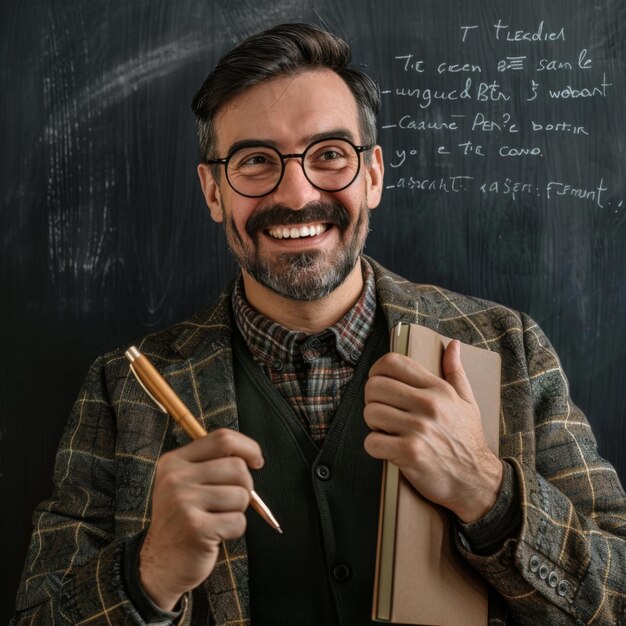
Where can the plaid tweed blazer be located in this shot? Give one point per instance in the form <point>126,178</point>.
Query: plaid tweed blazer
<point>566,566</point>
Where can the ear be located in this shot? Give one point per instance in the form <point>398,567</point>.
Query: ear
<point>374,173</point>
<point>211,192</point>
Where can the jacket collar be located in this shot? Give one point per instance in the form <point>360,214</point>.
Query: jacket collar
<point>399,299</point>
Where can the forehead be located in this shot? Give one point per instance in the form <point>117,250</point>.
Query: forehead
<point>288,111</point>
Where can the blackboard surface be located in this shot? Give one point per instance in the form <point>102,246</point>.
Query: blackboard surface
<point>503,130</point>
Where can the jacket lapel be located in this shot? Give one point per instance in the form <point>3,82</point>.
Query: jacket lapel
<point>401,301</point>
<point>450,314</point>
<point>204,382</point>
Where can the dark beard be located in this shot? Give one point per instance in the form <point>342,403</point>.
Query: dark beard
<point>305,276</point>
<point>301,279</point>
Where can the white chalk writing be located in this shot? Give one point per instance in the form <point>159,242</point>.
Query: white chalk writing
<point>507,105</point>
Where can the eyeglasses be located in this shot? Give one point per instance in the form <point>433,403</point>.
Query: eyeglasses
<point>256,170</point>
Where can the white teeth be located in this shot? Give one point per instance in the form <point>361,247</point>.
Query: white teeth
<point>282,232</point>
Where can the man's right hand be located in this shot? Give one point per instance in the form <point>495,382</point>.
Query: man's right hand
<point>201,492</point>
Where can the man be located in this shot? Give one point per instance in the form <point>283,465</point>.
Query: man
<point>289,373</point>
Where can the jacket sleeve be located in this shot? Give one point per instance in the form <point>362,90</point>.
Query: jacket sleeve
<point>74,570</point>
<point>567,563</point>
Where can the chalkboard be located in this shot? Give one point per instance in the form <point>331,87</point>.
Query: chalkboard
<point>502,125</point>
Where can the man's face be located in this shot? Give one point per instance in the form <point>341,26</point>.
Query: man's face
<point>326,230</point>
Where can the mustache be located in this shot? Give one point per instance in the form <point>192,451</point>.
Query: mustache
<point>278,215</point>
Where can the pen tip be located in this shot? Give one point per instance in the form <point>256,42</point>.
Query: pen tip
<point>279,530</point>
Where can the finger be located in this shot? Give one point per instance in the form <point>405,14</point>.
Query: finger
<point>388,419</point>
<point>222,498</point>
<point>454,373</point>
<point>221,443</point>
<point>392,392</point>
<point>404,369</point>
<point>225,471</point>
<point>385,447</point>
<point>382,417</point>
<point>227,525</point>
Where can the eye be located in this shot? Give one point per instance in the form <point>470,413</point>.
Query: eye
<point>254,159</point>
<point>330,154</point>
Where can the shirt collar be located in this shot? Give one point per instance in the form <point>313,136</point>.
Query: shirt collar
<point>270,342</point>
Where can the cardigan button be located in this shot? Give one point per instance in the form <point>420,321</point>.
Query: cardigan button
<point>322,472</point>
<point>341,571</point>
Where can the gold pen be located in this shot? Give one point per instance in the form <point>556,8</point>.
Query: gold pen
<point>166,399</point>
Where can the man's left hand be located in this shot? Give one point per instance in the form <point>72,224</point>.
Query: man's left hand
<point>430,428</point>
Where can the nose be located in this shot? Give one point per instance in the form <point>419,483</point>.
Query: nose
<point>295,191</point>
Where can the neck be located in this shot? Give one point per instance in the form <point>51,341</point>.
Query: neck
<point>307,316</point>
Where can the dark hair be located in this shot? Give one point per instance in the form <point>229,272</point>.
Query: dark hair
<point>286,49</point>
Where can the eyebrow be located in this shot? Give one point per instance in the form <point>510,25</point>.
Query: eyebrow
<point>336,133</point>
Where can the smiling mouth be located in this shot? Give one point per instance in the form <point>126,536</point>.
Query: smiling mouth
<point>297,232</point>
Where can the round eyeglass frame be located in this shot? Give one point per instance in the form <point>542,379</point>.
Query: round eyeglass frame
<point>295,155</point>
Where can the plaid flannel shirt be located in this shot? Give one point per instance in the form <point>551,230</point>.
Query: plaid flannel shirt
<point>310,371</point>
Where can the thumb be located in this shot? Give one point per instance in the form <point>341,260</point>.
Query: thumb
<point>454,373</point>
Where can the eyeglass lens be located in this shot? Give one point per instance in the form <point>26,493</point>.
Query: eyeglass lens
<point>329,165</point>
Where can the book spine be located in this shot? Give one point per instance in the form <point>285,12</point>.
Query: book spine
<point>386,548</point>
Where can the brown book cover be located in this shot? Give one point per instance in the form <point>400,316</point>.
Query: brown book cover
<point>420,576</point>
